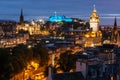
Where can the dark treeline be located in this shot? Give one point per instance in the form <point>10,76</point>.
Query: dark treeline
<point>15,60</point>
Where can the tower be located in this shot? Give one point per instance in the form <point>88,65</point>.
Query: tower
<point>115,34</point>
<point>93,38</point>
<point>94,20</point>
<point>21,17</point>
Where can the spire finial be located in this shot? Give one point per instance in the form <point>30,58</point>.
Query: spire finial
<point>55,13</point>
<point>94,7</point>
<point>94,10</point>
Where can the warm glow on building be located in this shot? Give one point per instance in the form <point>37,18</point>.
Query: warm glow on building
<point>87,35</point>
<point>93,34</point>
<point>45,32</point>
<point>94,21</point>
<point>32,28</point>
<point>94,37</point>
<point>106,42</point>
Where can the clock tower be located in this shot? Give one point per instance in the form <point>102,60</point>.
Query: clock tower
<point>94,21</point>
<point>93,38</point>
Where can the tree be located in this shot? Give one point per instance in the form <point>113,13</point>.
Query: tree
<point>5,67</point>
<point>41,52</point>
<point>67,61</point>
<point>21,56</point>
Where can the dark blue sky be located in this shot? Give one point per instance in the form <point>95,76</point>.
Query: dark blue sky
<point>107,9</point>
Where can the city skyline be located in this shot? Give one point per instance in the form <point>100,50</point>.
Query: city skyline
<point>86,48</point>
<point>36,9</point>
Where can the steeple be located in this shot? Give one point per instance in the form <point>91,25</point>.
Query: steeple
<point>115,32</point>
<point>115,23</point>
<point>21,17</point>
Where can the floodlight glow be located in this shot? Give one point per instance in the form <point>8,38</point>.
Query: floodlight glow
<point>59,18</point>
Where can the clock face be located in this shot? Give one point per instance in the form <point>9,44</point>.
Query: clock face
<point>94,26</point>
<point>93,19</point>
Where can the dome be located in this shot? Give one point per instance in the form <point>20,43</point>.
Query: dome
<point>94,16</point>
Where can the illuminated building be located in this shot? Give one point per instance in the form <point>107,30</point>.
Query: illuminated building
<point>7,27</point>
<point>75,36</point>
<point>12,41</point>
<point>57,18</point>
<point>94,21</point>
<point>32,28</point>
<point>93,37</point>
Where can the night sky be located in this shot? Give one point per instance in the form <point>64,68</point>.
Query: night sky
<point>35,9</point>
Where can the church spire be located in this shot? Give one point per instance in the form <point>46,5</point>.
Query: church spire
<point>21,17</point>
<point>115,23</point>
<point>115,32</point>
